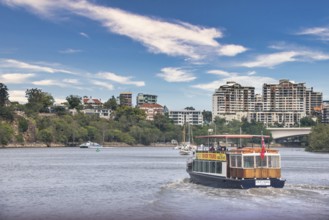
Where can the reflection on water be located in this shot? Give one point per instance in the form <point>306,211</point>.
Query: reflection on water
<point>149,183</point>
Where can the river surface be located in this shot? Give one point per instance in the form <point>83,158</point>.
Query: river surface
<point>149,183</point>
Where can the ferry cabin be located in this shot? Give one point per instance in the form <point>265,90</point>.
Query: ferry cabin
<point>237,164</point>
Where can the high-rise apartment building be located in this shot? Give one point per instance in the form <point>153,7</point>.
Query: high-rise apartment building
<point>125,99</point>
<point>313,102</point>
<point>284,97</point>
<point>284,103</point>
<point>325,112</point>
<point>145,99</point>
<point>233,101</point>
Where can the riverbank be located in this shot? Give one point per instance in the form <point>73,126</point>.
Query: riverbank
<point>106,144</point>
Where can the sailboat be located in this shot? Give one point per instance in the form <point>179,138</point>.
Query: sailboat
<point>186,147</point>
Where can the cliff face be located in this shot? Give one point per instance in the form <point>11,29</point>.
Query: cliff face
<point>23,131</point>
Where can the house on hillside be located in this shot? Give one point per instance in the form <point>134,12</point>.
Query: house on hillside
<point>91,103</point>
<point>151,110</point>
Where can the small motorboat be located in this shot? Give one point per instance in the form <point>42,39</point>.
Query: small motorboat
<point>90,144</point>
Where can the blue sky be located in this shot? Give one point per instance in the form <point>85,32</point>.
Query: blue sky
<point>179,50</point>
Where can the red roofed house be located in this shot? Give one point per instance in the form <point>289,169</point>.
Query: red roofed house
<point>91,103</point>
<point>151,110</point>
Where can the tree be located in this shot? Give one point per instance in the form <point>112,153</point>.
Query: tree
<point>23,124</point>
<point>6,132</point>
<point>189,108</point>
<point>74,102</point>
<point>6,113</point>
<point>38,100</point>
<point>307,122</point>
<point>3,94</point>
<point>207,116</point>
<point>111,104</point>
<point>319,138</point>
<point>46,136</point>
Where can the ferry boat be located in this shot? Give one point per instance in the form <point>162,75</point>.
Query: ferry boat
<point>90,144</point>
<point>236,167</point>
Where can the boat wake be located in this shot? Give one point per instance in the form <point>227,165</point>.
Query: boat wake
<point>290,190</point>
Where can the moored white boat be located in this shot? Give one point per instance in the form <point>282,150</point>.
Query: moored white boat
<point>90,144</point>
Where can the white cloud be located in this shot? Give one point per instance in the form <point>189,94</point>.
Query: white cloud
<point>15,78</point>
<point>64,83</point>
<point>70,51</point>
<point>270,60</point>
<point>231,50</point>
<point>17,96</point>
<point>59,101</point>
<point>171,74</point>
<point>221,73</point>
<point>71,81</point>
<point>20,65</point>
<point>84,34</point>
<point>294,54</point>
<point>159,36</point>
<point>120,79</point>
<point>321,33</point>
<point>49,82</point>
<point>255,81</point>
<point>103,84</point>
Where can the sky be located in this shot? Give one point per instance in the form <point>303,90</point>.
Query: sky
<point>179,50</point>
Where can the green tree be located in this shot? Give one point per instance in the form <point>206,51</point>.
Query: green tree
<point>46,136</point>
<point>3,94</point>
<point>23,124</point>
<point>6,133</point>
<point>38,101</point>
<point>74,102</point>
<point>111,104</point>
<point>6,113</point>
<point>307,122</point>
<point>319,138</point>
<point>128,116</point>
<point>207,116</point>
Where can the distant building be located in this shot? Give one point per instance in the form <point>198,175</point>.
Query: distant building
<point>284,97</point>
<point>284,103</point>
<point>145,98</point>
<point>91,103</point>
<point>325,112</point>
<point>233,101</point>
<point>191,117</point>
<point>151,110</point>
<point>102,113</point>
<point>125,99</point>
<point>313,102</point>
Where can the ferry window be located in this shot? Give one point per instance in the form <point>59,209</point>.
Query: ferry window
<point>194,165</point>
<point>219,167</point>
<point>274,161</point>
<point>239,161</point>
<point>248,162</point>
<point>199,166</point>
<point>261,162</point>
<point>212,167</point>
<point>233,160</point>
<point>206,167</point>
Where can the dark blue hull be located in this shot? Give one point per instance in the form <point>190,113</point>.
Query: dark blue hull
<point>223,182</point>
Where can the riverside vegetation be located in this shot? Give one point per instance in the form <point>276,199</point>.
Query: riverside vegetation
<point>40,122</point>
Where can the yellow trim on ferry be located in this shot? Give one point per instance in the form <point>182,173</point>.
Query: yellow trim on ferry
<point>211,156</point>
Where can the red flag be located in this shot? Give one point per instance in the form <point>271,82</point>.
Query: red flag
<point>262,153</point>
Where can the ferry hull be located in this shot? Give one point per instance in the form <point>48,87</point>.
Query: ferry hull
<point>223,182</point>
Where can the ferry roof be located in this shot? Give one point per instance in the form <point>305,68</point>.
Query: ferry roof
<point>233,136</point>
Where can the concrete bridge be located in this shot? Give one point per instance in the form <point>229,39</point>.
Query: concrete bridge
<point>288,132</point>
